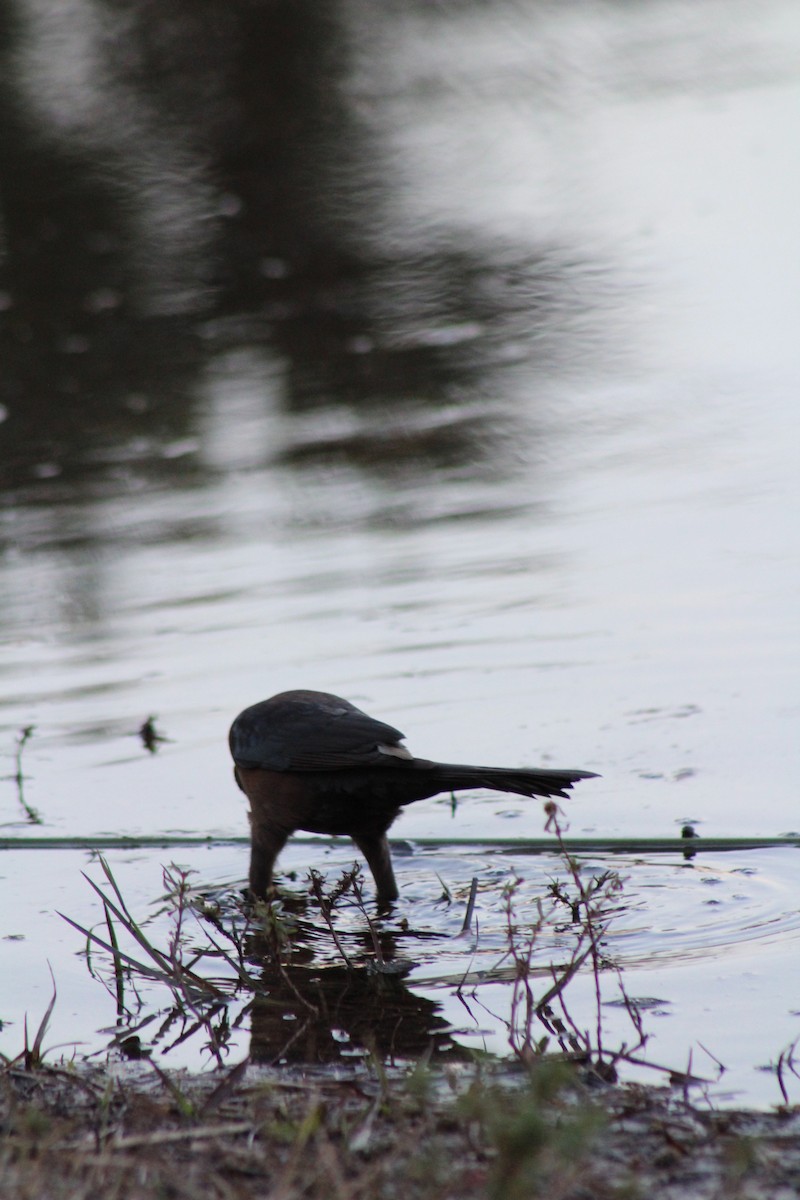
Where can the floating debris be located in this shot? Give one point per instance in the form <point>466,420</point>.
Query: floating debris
<point>150,735</point>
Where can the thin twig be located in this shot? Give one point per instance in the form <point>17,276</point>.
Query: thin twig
<point>473,892</point>
<point>23,737</point>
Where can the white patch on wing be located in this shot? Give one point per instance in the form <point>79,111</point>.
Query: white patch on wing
<point>397,751</point>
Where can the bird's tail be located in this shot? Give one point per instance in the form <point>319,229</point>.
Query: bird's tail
<point>521,781</point>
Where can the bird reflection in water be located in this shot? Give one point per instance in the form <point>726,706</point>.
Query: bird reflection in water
<point>309,1011</point>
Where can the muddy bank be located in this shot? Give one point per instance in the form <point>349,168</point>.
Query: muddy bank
<point>244,1132</point>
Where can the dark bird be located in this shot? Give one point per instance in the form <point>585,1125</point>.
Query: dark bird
<point>311,761</point>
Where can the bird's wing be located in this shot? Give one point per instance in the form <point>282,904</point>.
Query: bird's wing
<point>311,731</point>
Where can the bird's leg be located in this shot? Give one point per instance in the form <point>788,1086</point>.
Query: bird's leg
<point>266,842</point>
<point>375,849</point>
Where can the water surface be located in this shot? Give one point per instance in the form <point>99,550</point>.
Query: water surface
<point>471,396</point>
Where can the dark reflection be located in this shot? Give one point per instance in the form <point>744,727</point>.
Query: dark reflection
<point>336,1014</point>
<point>210,181</point>
<point>422,350</point>
<point>313,1013</point>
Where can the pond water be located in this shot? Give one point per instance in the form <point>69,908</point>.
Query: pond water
<point>467,389</point>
